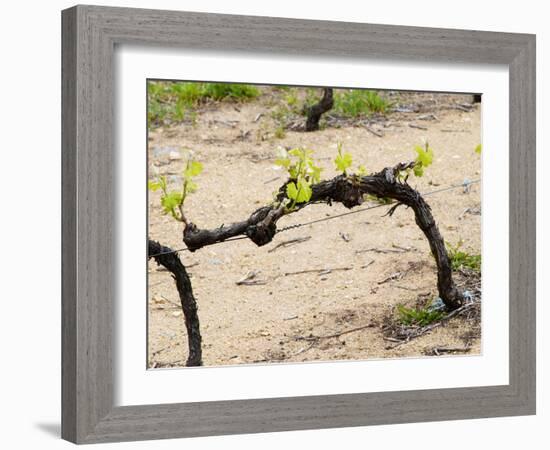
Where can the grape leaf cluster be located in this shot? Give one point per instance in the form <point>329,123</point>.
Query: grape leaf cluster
<point>302,172</point>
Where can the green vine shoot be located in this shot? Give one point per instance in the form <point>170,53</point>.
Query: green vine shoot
<point>172,200</point>
<point>302,172</point>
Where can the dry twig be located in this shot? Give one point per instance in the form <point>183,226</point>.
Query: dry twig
<point>289,242</point>
<point>250,279</point>
<point>334,335</point>
<point>420,127</point>
<point>375,132</point>
<point>319,271</point>
<point>438,350</point>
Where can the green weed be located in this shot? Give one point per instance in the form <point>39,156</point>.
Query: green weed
<point>281,115</point>
<point>175,101</point>
<point>224,91</point>
<point>356,102</point>
<point>461,259</point>
<point>419,317</point>
<point>291,99</point>
<point>282,88</point>
<point>279,132</point>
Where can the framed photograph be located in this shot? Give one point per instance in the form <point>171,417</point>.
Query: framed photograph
<point>265,229</point>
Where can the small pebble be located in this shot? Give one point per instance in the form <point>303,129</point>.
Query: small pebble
<point>174,156</point>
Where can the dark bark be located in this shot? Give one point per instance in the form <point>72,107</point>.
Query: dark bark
<point>260,227</point>
<point>173,264</point>
<point>196,238</point>
<point>315,112</point>
<point>406,195</point>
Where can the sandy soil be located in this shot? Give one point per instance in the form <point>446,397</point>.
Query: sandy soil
<point>268,322</point>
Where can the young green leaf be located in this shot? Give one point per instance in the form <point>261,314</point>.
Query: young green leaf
<point>304,191</point>
<point>314,172</point>
<point>343,161</point>
<point>171,201</point>
<point>191,187</point>
<point>299,192</point>
<point>300,153</point>
<point>418,170</point>
<point>302,172</point>
<point>154,185</point>
<point>478,149</point>
<point>362,170</point>
<point>282,158</point>
<point>158,183</point>
<point>292,191</point>
<point>424,156</point>
<point>424,159</point>
<point>283,162</point>
<point>193,169</point>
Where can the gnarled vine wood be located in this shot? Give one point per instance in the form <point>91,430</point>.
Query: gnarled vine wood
<point>349,190</point>
<point>165,257</point>
<point>261,226</point>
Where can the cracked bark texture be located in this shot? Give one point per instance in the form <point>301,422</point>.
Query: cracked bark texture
<point>171,261</point>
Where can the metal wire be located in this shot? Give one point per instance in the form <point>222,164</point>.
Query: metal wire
<point>368,208</point>
<point>185,249</point>
<point>466,184</point>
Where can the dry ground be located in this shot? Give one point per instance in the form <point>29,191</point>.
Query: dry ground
<point>268,322</point>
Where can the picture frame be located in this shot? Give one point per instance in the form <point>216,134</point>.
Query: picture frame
<point>89,37</point>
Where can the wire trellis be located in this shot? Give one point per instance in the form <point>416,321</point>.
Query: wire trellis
<point>465,185</point>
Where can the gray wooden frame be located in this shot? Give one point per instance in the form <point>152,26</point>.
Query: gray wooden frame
<point>90,34</point>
